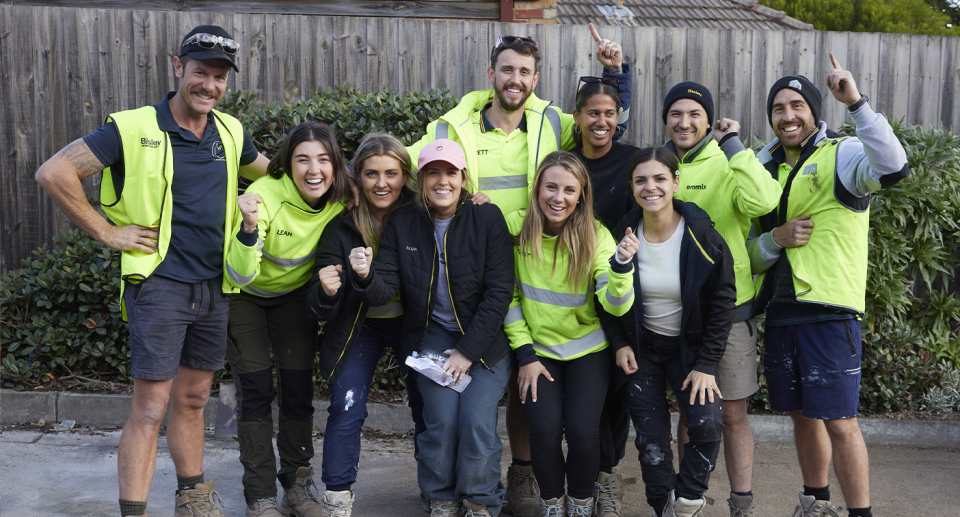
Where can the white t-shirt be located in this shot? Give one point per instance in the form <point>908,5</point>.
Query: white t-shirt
<point>658,266</point>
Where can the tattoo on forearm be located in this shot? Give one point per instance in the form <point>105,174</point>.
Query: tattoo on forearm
<point>79,155</point>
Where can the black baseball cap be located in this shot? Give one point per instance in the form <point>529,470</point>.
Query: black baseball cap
<point>218,49</point>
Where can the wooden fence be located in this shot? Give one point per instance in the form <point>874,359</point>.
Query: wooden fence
<point>63,70</point>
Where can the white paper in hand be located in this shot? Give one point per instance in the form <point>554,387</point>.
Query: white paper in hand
<point>434,371</point>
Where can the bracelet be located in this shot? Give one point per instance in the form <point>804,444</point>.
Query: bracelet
<point>856,105</point>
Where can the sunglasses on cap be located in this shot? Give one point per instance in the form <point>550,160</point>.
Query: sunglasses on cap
<point>209,41</point>
<point>509,41</point>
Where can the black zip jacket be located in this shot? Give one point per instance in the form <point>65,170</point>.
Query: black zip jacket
<point>480,268</point>
<point>707,285</point>
<point>343,312</point>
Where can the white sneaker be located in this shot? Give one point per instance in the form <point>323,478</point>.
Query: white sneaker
<point>810,506</point>
<point>680,507</point>
<point>444,508</point>
<point>337,504</point>
<point>474,510</point>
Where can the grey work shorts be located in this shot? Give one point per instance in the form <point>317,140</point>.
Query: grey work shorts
<point>175,324</point>
<point>737,371</point>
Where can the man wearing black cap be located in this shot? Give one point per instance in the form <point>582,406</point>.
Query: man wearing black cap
<point>164,167</point>
<point>721,176</point>
<point>812,257</point>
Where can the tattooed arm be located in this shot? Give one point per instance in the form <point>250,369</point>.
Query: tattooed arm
<point>60,176</point>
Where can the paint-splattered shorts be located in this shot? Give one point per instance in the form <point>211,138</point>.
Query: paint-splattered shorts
<point>814,367</point>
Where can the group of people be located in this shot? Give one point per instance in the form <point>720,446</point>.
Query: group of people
<point>526,251</point>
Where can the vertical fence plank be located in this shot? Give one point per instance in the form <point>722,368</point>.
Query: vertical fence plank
<point>14,50</point>
<point>350,48</point>
<point>833,112</point>
<point>645,113</point>
<point>292,47</point>
<point>415,50</point>
<point>768,59</point>
<point>925,83</point>
<point>950,106</point>
<point>864,56</point>
<point>446,47</point>
<point>894,83</point>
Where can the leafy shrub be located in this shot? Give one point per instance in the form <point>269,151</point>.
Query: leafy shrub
<point>61,313</point>
<point>945,397</point>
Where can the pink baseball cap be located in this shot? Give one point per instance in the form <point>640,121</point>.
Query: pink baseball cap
<point>442,150</point>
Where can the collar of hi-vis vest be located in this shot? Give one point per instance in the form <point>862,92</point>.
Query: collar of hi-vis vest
<point>486,125</point>
<point>165,117</point>
<point>694,151</point>
<point>776,151</point>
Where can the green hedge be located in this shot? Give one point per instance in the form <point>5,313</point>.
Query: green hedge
<point>60,313</point>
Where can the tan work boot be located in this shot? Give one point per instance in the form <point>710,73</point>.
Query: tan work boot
<point>337,504</point>
<point>810,506</point>
<point>474,510</point>
<point>523,492</point>
<point>556,507</point>
<point>266,507</point>
<point>300,500</point>
<point>579,507</point>
<point>740,505</point>
<point>201,501</point>
<point>680,507</point>
<point>608,493</point>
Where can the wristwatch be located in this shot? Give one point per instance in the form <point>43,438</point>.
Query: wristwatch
<point>856,105</point>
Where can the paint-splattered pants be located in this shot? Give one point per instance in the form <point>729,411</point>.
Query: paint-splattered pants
<point>659,362</point>
<point>348,401</point>
<point>266,335</point>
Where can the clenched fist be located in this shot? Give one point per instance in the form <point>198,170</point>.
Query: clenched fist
<point>330,279</point>
<point>247,204</point>
<point>360,259</point>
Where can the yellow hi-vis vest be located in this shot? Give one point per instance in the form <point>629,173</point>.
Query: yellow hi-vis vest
<point>146,197</point>
<point>831,269</point>
<point>289,231</point>
<point>561,322</point>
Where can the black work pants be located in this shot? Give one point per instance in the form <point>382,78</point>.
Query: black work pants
<point>571,406</point>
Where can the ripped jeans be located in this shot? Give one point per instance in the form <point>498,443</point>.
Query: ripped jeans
<point>348,401</point>
<point>659,362</point>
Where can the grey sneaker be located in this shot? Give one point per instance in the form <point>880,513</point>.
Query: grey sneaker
<point>444,508</point>
<point>337,504</point>
<point>202,501</point>
<point>680,507</point>
<point>300,500</point>
<point>556,507</point>
<point>740,505</point>
<point>608,493</point>
<point>523,492</point>
<point>264,508</point>
<point>810,506</point>
<point>579,507</point>
<point>474,510</point>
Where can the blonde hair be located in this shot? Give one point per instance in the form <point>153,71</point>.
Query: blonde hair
<point>378,144</point>
<point>578,238</point>
<point>422,198</point>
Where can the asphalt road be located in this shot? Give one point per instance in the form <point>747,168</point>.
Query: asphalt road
<point>73,473</point>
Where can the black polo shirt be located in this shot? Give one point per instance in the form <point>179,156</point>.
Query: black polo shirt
<point>199,190</point>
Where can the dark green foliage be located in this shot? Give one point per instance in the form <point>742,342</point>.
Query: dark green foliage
<point>897,16</point>
<point>350,113</point>
<point>60,314</point>
<point>913,317</point>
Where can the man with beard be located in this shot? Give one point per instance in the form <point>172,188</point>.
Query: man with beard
<point>162,165</point>
<point>812,257</point>
<point>505,132</point>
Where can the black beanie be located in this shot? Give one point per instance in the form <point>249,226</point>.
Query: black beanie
<point>689,90</point>
<point>804,87</point>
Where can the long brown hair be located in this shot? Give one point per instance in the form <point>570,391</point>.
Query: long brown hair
<point>578,238</point>
<point>378,144</point>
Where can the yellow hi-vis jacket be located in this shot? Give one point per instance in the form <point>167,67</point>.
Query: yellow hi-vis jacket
<point>146,197</point>
<point>558,321</point>
<point>289,231</point>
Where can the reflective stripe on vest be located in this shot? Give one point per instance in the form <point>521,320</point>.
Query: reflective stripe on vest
<point>549,297</point>
<point>389,310</point>
<point>288,263</point>
<point>514,315</point>
<point>554,119</point>
<point>574,346</point>
<point>443,129</point>
<point>264,293</point>
<point>503,182</point>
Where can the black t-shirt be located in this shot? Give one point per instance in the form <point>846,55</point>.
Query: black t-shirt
<point>612,194</point>
<point>199,191</point>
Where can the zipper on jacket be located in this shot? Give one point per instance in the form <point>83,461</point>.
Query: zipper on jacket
<point>446,272</point>
<point>346,344</point>
<point>433,269</point>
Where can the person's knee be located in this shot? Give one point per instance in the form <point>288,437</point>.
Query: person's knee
<point>653,452</point>
<point>296,390</point>
<point>257,394</point>
<point>705,423</point>
<point>735,413</point>
<point>147,413</point>
<point>843,430</point>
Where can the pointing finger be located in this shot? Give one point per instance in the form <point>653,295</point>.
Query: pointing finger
<point>596,35</point>
<point>836,64</point>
